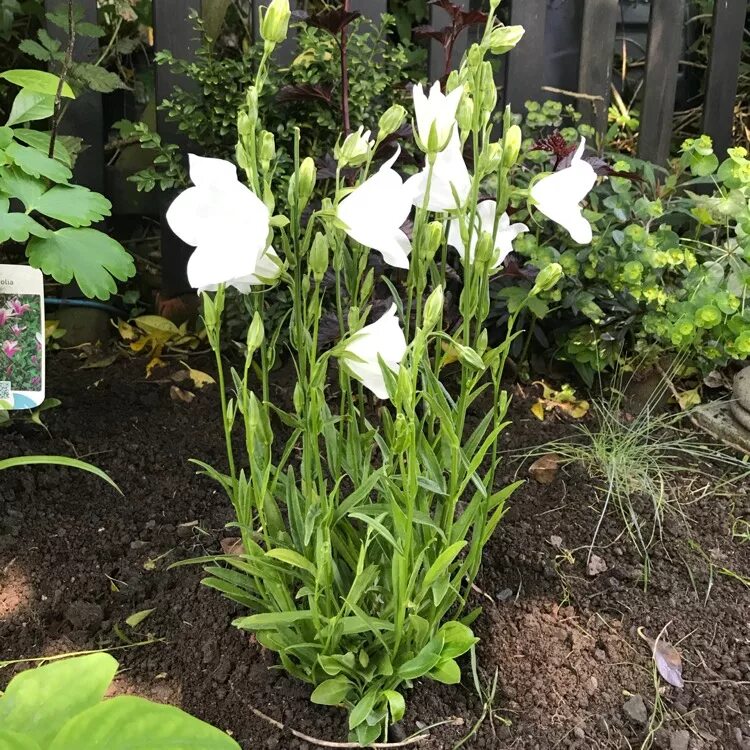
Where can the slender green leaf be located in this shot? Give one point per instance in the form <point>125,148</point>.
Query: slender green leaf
<point>396,705</point>
<point>273,620</point>
<point>72,463</point>
<point>361,711</point>
<point>442,561</point>
<point>290,557</point>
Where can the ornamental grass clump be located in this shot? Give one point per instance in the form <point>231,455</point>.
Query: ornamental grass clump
<point>364,506</point>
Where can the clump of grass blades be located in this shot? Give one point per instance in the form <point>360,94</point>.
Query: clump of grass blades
<point>642,460</point>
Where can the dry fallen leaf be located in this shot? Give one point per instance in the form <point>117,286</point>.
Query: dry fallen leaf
<point>177,394</point>
<point>232,545</point>
<point>544,470</point>
<point>667,659</point>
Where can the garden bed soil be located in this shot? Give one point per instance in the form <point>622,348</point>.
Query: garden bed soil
<point>77,559</point>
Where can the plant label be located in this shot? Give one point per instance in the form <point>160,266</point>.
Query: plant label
<point>21,337</point>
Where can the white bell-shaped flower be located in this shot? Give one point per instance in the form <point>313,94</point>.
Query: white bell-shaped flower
<point>436,114</point>
<point>558,196</point>
<point>449,176</point>
<point>484,221</point>
<point>375,211</point>
<point>382,338</point>
<point>267,270</point>
<point>226,223</point>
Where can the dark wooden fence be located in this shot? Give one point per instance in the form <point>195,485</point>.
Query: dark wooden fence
<point>523,73</point>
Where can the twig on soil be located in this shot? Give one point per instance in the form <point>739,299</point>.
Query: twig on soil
<point>327,743</point>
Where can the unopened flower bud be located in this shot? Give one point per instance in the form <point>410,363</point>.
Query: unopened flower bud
<point>511,146</point>
<point>489,89</point>
<point>307,176</point>
<point>274,24</point>
<point>319,256</point>
<point>255,333</point>
<point>432,239</point>
<point>251,107</point>
<point>465,114</point>
<point>245,125</point>
<point>355,149</point>
<point>482,340</point>
<point>504,38</point>
<point>298,399</point>
<point>485,249</point>
<point>433,308</point>
<point>491,158</point>
<point>547,278</point>
<point>266,150</point>
<point>391,121</point>
<point>468,356</point>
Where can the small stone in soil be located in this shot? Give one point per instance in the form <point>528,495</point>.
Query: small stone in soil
<point>596,565</point>
<point>505,594</point>
<point>84,615</point>
<point>635,709</point>
<point>679,740</point>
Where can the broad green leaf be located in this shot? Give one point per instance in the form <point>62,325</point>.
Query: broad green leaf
<point>17,227</point>
<point>127,722</point>
<point>99,79</point>
<point>443,560</point>
<point>272,620</point>
<point>457,639</point>
<point>39,81</point>
<point>16,183</point>
<point>71,463</point>
<point>290,557</point>
<point>6,136</point>
<point>331,692</point>
<point>39,701</point>
<point>424,661</point>
<point>29,105</point>
<point>37,164</point>
<point>90,257</point>
<point>34,49</point>
<point>40,140</point>
<point>14,741</point>
<point>396,705</point>
<point>73,204</point>
<point>447,671</point>
<point>361,711</point>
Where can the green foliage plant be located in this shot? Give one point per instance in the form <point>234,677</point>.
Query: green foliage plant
<point>667,271</point>
<point>41,207</point>
<point>362,526</point>
<point>303,95</point>
<point>61,706</point>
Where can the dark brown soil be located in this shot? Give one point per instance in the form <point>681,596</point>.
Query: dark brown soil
<point>76,560</point>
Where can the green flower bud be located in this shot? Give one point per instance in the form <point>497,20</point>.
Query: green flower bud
<point>391,121</point>
<point>469,356</point>
<point>465,114</point>
<point>433,308</point>
<point>298,399</point>
<point>308,174</point>
<point>255,334</point>
<point>266,150</point>
<point>355,149</point>
<point>485,249</point>
<point>319,256</point>
<point>245,125</point>
<point>511,146</point>
<point>251,107</point>
<point>547,278</point>
<point>504,38</point>
<point>274,24</point>
<point>432,240</point>
<point>491,158</point>
<point>482,341</point>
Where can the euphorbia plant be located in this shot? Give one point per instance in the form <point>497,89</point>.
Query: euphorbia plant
<point>363,523</point>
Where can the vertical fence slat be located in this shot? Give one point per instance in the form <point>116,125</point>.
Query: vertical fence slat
<point>438,19</point>
<point>524,71</point>
<point>84,116</point>
<point>173,31</point>
<point>660,83</point>
<point>595,68</point>
<point>723,71</point>
<point>372,9</point>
